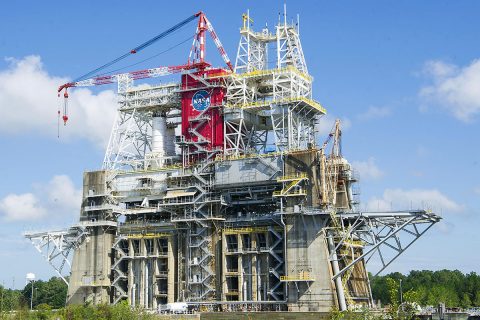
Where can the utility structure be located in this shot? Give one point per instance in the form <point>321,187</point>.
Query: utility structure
<point>215,192</point>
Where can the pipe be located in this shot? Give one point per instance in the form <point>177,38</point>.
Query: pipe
<point>338,281</point>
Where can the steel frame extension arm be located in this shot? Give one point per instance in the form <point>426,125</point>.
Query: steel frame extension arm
<point>378,231</point>
<point>133,75</point>
<point>56,246</point>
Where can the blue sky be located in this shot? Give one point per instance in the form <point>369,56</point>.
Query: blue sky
<point>403,76</point>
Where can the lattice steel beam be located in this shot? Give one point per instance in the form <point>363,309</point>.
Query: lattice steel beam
<point>378,231</point>
<point>56,246</point>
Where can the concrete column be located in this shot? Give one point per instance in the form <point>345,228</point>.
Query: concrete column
<point>224,267</point>
<point>240,268</point>
<point>142,273</point>
<point>146,283</point>
<point>171,272</point>
<point>215,263</point>
<point>254,271</point>
<point>131,294</point>
<point>266,282</point>
<point>154,272</point>
<point>180,267</point>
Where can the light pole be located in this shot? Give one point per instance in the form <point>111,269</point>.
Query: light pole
<point>31,279</point>
<point>401,293</point>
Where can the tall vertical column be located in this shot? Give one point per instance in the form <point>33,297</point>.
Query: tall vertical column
<point>254,270</point>
<point>224,267</point>
<point>171,271</point>
<point>131,282</point>
<point>240,267</point>
<point>141,275</point>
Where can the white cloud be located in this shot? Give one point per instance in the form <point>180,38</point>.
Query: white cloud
<point>56,198</point>
<point>439,69</point>
<point>326,123</point>
<point>62,193</point>
<point>455,89</point>
<point>477,190</point>
<point>368,169</point>
<point>399,199</point>
<point>21,207</point>
<point>375,112</point>
<point>29,103</point>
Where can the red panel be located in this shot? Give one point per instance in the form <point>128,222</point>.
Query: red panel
<point>210,129</point>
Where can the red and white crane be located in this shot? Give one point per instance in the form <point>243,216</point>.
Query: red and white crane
<point>196,60</point>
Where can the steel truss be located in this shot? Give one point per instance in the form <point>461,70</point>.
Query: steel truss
<point>252,53</point>
<point>57,246</point>
<point>379,232</point>
<point>289,48</point>
<point>269,105</point>
<point>130,138</point>
<point>284,109</point>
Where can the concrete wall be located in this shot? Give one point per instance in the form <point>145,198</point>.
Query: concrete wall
<point>307,256</point>
<point>90,274</point>
<point>90,278</point>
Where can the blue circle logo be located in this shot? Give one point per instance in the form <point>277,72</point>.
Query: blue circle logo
<point>201,100</point>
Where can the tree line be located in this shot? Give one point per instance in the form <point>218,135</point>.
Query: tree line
<point>51,293</point>
<point>428,288</point>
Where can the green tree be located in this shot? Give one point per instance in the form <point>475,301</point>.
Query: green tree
<point>380,288</point>
<point>466,302</point>
<point>431,287</point>
<point>439,293</point>
<point>9,299</point>
<point>52,292</point>
<point>393,292</point>
<point>44,312</point>
<point>476,302</point>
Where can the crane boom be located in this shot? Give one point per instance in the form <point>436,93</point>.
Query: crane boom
<point>134,75</point>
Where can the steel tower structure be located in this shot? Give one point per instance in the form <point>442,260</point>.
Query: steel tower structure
<point>215,191</point>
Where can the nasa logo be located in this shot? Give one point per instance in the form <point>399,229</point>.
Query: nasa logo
<point>201,100</point>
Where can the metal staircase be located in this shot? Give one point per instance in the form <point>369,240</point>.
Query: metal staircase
<point>277,265</point>
<point>120,291</point>
<point>200,260</point>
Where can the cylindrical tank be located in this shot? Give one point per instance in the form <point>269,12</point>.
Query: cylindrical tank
<point>159,135</point>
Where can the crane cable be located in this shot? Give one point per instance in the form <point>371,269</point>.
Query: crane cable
<point>139,47</point>
<point>147,59</point>
<point>133,51</point>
